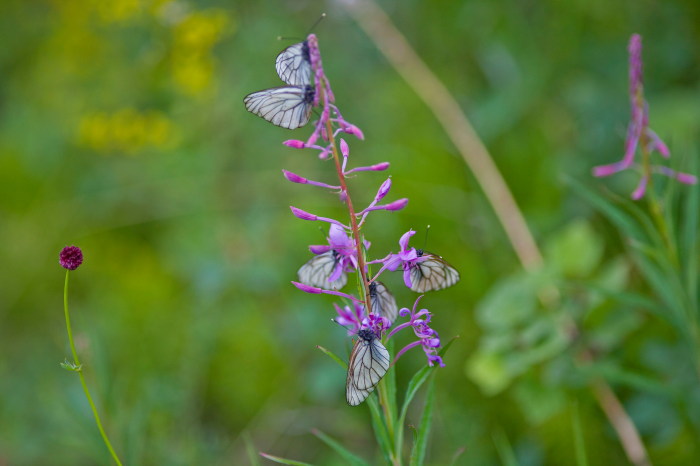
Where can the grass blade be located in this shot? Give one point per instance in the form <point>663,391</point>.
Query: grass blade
<point>579,443</point>
<point>421,443</point>
<point>278,459</point>
<point>344,453</point>
<point>380,431</point>
<point>334,357</point>
<point>250,449</point>
<point>504,449</point>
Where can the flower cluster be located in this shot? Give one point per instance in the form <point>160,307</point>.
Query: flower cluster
<point>639,134</point>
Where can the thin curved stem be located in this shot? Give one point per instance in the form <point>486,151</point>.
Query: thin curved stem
<point>79,370</point>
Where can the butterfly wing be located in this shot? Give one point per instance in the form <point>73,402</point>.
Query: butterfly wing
<point>288,107</point>
<point>294,64</point>
<point>319,269</point>
<point>433,273</point>
<point>369,361</point>
<point>383,302</point>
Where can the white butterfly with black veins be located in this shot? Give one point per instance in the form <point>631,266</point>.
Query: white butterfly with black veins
<point>294,64</point>
<point>433,273</point>
<point>383,302</point>
<point>369,361</point>
<point>288,106</point>
<point>318,270</point>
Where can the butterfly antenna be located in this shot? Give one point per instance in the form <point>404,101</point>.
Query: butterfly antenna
<point>288,38</point>
<point>320,18</point>
<point>425,241</point>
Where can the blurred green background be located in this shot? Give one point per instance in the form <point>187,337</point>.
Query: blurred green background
<point>122,131</point>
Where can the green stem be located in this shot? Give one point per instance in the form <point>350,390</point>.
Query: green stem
<point>79,370</point>
<point>389,418</point>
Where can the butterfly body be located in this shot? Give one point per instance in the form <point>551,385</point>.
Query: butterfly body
<point>287,106</point>
<point>369,362</point>
<point>383,302</point>
<point>431,273</point>
<point>293,64</point>
<point>319,269</point>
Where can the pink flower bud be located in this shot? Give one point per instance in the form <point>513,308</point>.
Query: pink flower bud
<point>383,190</point>
<point>397,205</point>
<point>307,288</point>
<point>294,178</point>
<point>354,130</point>
<point>295,143</point>
<point>344,149</point>
<point>298,213</point>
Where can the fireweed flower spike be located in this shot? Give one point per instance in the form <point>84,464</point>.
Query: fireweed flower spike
<point>639,135</point>
<point>367,314</point>
<point>70,258</point>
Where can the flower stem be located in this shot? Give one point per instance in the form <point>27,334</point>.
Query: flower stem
<point>389,418</point>
<point>79,370</point>
<point>351,210</point>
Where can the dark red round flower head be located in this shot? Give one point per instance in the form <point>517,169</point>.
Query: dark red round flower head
<point>71,257</point>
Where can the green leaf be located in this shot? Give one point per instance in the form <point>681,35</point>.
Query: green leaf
<point>413,385</point>
<point>504,449</point>
<point>579,443</point>
<point>390,385</point>
<point>512,301</point>
<point>278,459</point>
<point>539,401</point>
<point>334,357</point>
<point>621,219</point>
<point>381,432</point>
<point>347,455</point>
<point>488,370</point>
<point>576,250</point>
<point>421,443</point>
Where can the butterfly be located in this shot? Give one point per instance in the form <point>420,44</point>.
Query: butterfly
<point>287,106</point>
<point>294,64</point>
<point>383,302</point>
<point>369,361</point>
<point>319,269</point>
<point>433,273</point>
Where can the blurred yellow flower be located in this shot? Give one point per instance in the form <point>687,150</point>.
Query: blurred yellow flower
<point>125,130</point>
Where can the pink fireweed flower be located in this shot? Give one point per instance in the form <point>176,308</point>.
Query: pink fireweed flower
<point>343,245</point>
<point>70,257</point>
<point>350,318</point>
<point>376,323</point>
<point>427,337</point>
<point>406,257</point>
<point>639,135</point>
<point>329,268</point>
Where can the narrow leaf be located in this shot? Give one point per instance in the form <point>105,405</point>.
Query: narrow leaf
<point>616,215</point>
<point>504,449</point>
<point>278,459</point>
<point>579,444</point>
<point>346,454</point>
<point>380,431</point>
<point>421,443</point>
<point>334,357</point>
<point>250,449</point>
